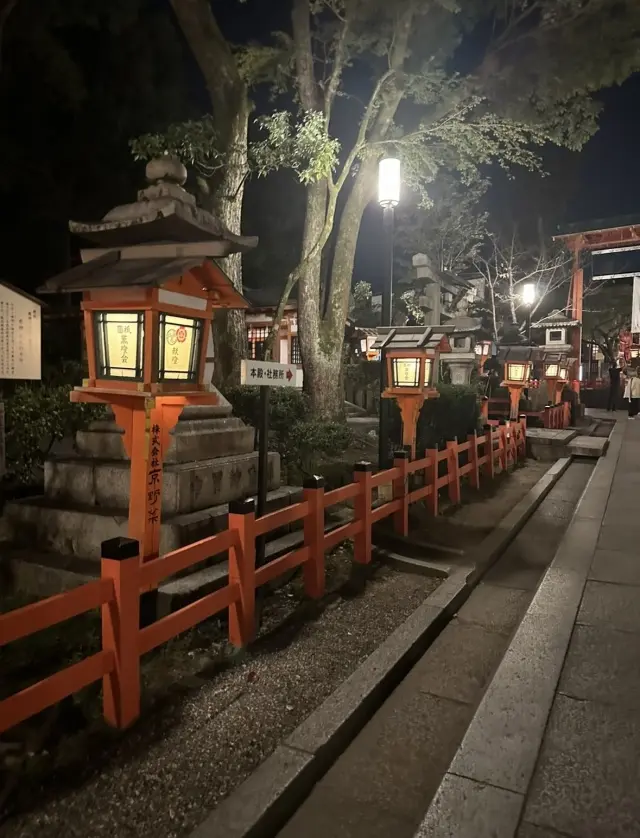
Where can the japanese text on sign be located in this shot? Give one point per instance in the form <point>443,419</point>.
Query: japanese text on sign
<point>154,478</point>
<point>19,335</point>
<point>267,374</point>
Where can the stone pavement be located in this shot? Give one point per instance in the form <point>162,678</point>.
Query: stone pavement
<point>553,748</point>
<point>381,785</point>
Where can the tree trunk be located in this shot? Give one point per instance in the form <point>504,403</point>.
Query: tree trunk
<point>229,329</point>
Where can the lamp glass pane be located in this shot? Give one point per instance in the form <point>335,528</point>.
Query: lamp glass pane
<point>119,337</point>
<point>428,366</point>
<point>551,371</point>
<point>516,372</point>
<point>563,374</point>
<point>389,182</point>
<point>180,339</point>
<point>406,372</point>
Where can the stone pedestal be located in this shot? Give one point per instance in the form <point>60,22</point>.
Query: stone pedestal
<point>210,462</point>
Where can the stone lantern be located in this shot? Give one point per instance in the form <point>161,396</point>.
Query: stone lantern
<point>461,360</point>
<point>411,355</point>
<point>558,333</point>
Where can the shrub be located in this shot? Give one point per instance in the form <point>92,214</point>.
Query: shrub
<point>36,416</point>
<point>455,414</point>
<point>302,439</point>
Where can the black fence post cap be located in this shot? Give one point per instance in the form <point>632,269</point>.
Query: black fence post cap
<point>363,466</point>
<point>402,454</point>
<point>316,481</point>
<point>120,548</point>
<point>242,506</point>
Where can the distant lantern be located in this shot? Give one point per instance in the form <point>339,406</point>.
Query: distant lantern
<point>412,355</point>
<point>484,350</point>
<point>518,361</point>
<point>556,373</point>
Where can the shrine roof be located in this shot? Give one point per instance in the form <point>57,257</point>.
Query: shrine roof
<point>111,271</point>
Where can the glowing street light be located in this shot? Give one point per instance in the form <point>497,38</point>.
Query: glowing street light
<point>389,182</point>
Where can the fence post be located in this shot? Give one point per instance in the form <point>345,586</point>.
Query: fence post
<point>313,568</point>
<point>488,450</point>
<point>474,474</point>
<point>484,409</point>
<point>453,471</point>
<point>401,492</point>
<point>546,421</point>
<point>120,562</point>
<point>523,437</point>
<point>503,451</point>
<point>432,474</point>
<point>362,512</point>
<point>242,572</point>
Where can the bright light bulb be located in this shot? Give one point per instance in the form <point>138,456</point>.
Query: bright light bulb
<point>389,182</point>
<point>528,293</point>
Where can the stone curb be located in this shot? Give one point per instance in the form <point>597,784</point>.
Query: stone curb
<point>261,805</point>
<point>484,790</point>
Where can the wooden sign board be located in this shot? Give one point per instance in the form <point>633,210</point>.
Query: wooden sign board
<point>20,335</point>
<point>267,374</point>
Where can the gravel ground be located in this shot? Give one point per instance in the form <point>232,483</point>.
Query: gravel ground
<point>206,738</point>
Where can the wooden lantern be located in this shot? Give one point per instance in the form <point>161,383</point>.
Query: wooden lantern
<point>147,326</point>
<point>556,374</point>
<point>411,355</point>
<point>484,349</point>
<point>518,361</point>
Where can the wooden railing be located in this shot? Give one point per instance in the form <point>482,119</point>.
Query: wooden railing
<point>555,416</point>
<point>124,577</point>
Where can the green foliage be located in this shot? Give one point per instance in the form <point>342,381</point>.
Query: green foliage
<point>301,145</point>
<point>36,417</point>
<point>302,439</point>
<point>194,142</point>
<point>454,415</point>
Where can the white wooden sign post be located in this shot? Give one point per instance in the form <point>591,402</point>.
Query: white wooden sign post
<point>20,344</point>
<point>265,374</point>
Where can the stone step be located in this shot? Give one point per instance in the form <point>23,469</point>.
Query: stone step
<point>588,446</point>
<point>186,486</point>
<point>191,440</point>
<point>41,523</point>
<point>549,445</point>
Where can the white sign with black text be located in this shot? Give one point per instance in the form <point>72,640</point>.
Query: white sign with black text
<point>267,374</point>
<point>20,323</point>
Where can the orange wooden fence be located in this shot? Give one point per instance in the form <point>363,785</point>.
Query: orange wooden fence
<point>555,416</point>
<point>124,577</point>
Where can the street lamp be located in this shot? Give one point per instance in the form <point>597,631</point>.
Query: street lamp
<point>388,198</point>
<point>528,298</point>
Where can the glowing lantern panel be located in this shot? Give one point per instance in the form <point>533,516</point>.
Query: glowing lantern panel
<point>406,372</point>
<point>516,372</point>
<point>551,370</point>
<point>428,367</point>
<point>389,182</point>
<point>180,339</point>
<point>564,373</point>
<point>119,341</point>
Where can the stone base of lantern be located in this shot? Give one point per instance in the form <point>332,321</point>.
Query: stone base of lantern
<point>210,462</point>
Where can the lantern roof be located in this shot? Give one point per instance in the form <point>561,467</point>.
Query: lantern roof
<point>555,318</point>
<point>164,212</point>
<point>112,271</point>
<point>412,337</point>
<point>555,358</point>
<point>519,354</point>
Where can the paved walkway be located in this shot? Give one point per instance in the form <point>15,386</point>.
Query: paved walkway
<point>382,784</point>
<point>554,747</point>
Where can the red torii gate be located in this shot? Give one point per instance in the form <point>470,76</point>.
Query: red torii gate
<point>612,236</point>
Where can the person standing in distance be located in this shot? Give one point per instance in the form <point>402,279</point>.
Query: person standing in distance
<point>614,386</point>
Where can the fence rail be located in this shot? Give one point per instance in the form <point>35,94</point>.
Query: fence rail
<point>124,578</point>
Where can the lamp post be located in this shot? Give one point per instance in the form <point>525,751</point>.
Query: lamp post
<point>528,298</point>
<point>388,198</point>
